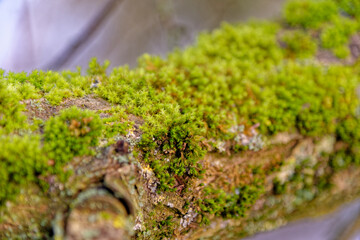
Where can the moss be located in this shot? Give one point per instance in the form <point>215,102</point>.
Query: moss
<point>116,124</point>
<point>11,110</point>
<point>336,35</point>
<point>166,228</point>
<point>233,88</point>
<point>309,13</point>
<point>351,7</point>
<point>96,69</point>
<point>341,160</point>
<point>204,91</point>
<point>348,131</point>
<point>54,86</point>
<point>229,205</point>
<point>21,161</point>
<point>73,132</point>
<point>299,44</point>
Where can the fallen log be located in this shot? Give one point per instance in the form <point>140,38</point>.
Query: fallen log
<point>248,129</point>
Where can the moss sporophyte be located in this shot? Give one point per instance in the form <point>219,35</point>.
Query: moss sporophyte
<point>233,90</point>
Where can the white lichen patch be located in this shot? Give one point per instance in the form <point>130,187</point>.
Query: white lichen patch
<point>326,145</point>
<point>170,205</point>
<point>252,139</point>
<point>138,226</point>
<point>287,170</point>
<point>188,218</point>
<point>221,146</point>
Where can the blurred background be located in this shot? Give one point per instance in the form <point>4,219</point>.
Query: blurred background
<point>63,34</point>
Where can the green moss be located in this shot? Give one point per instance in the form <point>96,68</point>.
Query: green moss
<point>351,7</point>
<point>166,228</point>
<point>232,86</point>
<point>73,132</point>
<point>96,69</point>
<point>336,35</point>
<point>54,86</point>
<point>204,91</point>
<point>116,124</point>
<point>341,160</point>
<point>349,130</point>
<point>341,52</point>
<point>11,110</point>
<point>309,13</point>
<point>299,44</point>
<point>21,161</point>
<point>234,205</point>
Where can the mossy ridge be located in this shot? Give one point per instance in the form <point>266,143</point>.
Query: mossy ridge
<point>209,99</point>
<point>207,87</point>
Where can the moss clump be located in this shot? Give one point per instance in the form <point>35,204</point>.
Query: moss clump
<point>299,44</point>
<point>22,160</point>
<point>11,116</point>
<point>166,129</point>
<point>72,133</point>
<point>164,229</point>
<point>309,13</point>
<point>235,205</point>
<point>53,86</point>
<point>335,36</point>
<point>116,124</point>
<point>351,7</point>
<point>325,17</point>
<point>96,69</point>
<point>348,131</point>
